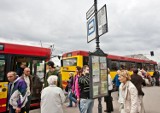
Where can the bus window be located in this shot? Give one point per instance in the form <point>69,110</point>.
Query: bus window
<point>2,66</point>
<point>128,65</point>
<point>37,78</point>
<point>85,60</point>
<point>133,65</point>
<point>123,65</point>
<point>70,62</point>
<point>114,65</point>
<point>38,69</point>
<point>151,67</point>
<point>147,67</point>
<point>139,65</point>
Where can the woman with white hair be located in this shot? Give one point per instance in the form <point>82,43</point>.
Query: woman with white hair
<point>52,97</point>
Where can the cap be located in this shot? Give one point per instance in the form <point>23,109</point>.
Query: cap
<point>50,63</point>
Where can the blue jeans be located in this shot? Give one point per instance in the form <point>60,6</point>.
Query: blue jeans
<point>86,105</point>
<point>71,98</point>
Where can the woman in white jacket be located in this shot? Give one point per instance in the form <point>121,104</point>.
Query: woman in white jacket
<point>52,97</point>
<point>128,94</point>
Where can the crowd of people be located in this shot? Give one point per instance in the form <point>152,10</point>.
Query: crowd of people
<point>130,94</point>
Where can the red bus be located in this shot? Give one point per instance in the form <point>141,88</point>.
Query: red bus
<point>11,56</point>
<point>79,58</point>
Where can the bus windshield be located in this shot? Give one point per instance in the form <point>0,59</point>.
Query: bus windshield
<point>70,62</point>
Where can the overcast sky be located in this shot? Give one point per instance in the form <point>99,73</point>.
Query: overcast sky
<point>134,25</point>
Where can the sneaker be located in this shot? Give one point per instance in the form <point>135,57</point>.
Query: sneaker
<point>69,106</point>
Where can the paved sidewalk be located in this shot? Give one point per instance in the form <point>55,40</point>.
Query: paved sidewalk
<point>151,102</point>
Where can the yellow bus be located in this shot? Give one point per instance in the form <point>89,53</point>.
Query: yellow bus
<point>79,58</point>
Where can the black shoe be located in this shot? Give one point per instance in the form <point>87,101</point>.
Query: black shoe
<point>105,110</point>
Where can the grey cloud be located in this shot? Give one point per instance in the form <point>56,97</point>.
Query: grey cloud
<point>133,24</point>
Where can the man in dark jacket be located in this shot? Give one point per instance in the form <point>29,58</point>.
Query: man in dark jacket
<point>52,71</point>
<point>16,89</point>
<point>156,75</point>
<point>137,81</point>
<point>21,69</point>
<point>28,79</point>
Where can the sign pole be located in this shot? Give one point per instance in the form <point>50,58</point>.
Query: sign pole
<point>97,26</point>
<point>97,35</point>
<point>97,48</point>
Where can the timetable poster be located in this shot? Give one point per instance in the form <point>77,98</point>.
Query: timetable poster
<point>103,63</point>
<point>99,84</point>
<point>104,88</point>
<point>95,69</point>
<point>95,90</point>
<point>103,75</point>
<point>102,59</point>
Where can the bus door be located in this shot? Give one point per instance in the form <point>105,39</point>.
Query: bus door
<point>38,72</point>
<point>37,67</point>
<point>3,84</point>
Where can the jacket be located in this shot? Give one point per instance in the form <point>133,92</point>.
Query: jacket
<point>18,87</point>
<point>49,73</point>
<point>52,98</point>
<point>128,97</point>
<point>137,81</point>
<point>116,81</point>
<point>110,84</point>
<point>75,86</point>
<point>31,82</point>
<point>83,82</point>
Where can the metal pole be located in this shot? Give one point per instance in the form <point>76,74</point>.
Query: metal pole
<point>97,35</point>
<point>97,48</point>
<point>99,105</point>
